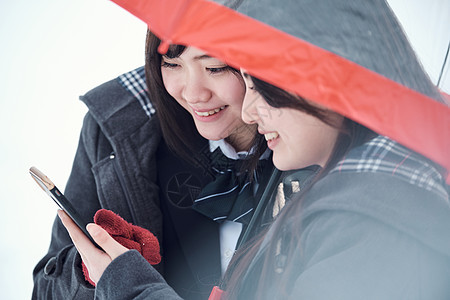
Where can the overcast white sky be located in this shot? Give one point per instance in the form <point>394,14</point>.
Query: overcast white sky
<point>54,51</point>
<point>51,52</point>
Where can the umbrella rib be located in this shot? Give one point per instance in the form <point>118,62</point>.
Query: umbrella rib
<point>443,65</point>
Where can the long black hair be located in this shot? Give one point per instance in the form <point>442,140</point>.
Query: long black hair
<point>177,125</point>
<point>245,278</point>
<point>351,134</point>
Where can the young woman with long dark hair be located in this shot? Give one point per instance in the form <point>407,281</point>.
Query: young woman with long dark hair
<point>151,141</point>
<point>368,226</point>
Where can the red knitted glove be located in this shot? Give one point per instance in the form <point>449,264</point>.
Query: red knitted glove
<point>128,235</point>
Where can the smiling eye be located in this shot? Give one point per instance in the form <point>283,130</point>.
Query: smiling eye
<point>168,65</point>
<point>248,81</point>
<point>251,87</point>
<point>218,70</point>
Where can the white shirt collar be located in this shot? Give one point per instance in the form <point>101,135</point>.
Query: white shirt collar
<point>226,149</point>
<point>230,152</point>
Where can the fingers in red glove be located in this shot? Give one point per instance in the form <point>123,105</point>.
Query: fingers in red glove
<point>129,236</point>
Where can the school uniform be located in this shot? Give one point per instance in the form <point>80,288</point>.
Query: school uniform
<point>123,164</point>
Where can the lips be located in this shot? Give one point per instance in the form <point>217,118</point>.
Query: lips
<point>209,112</point>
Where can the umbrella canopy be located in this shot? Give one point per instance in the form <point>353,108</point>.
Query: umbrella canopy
<point>350,56</point>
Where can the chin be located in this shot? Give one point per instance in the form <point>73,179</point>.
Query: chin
<point>285,163</point>
<point>211,136</point>
<point>282,165</point>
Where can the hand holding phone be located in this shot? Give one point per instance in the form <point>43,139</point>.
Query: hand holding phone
<point>49,187</point>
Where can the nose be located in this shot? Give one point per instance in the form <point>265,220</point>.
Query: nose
<point>249,107</point>
<point>196,88</point>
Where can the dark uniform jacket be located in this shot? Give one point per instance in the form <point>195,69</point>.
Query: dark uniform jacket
<point>116,167</point>
<point>375,227</point>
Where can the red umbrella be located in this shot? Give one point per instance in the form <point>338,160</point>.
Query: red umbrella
<point>389,108</point>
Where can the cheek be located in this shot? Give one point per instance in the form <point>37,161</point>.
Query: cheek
<point>239,93</point>
<point>233,90</point>
<point>268,117</point>
<point>313,146</point>
<point>299,135</point>
<point>171,83</point>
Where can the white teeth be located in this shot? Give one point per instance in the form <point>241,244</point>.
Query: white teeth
<point>209,113</point>
<point>271,136</point>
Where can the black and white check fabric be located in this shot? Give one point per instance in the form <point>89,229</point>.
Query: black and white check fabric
<point>134,82</point>
<point>382,154</point>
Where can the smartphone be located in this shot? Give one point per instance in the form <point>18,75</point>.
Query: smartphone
<point>49,187</point>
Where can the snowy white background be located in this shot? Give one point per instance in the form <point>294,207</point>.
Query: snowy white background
<point>53,51</point>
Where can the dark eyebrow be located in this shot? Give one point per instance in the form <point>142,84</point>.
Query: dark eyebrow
<point>199,57</point>
<point>204,56</point>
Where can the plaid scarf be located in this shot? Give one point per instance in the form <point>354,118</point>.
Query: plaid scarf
<point>383,155</point>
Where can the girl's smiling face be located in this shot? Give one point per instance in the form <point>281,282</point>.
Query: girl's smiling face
<point>296,138</point>
<point>211,92</point>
